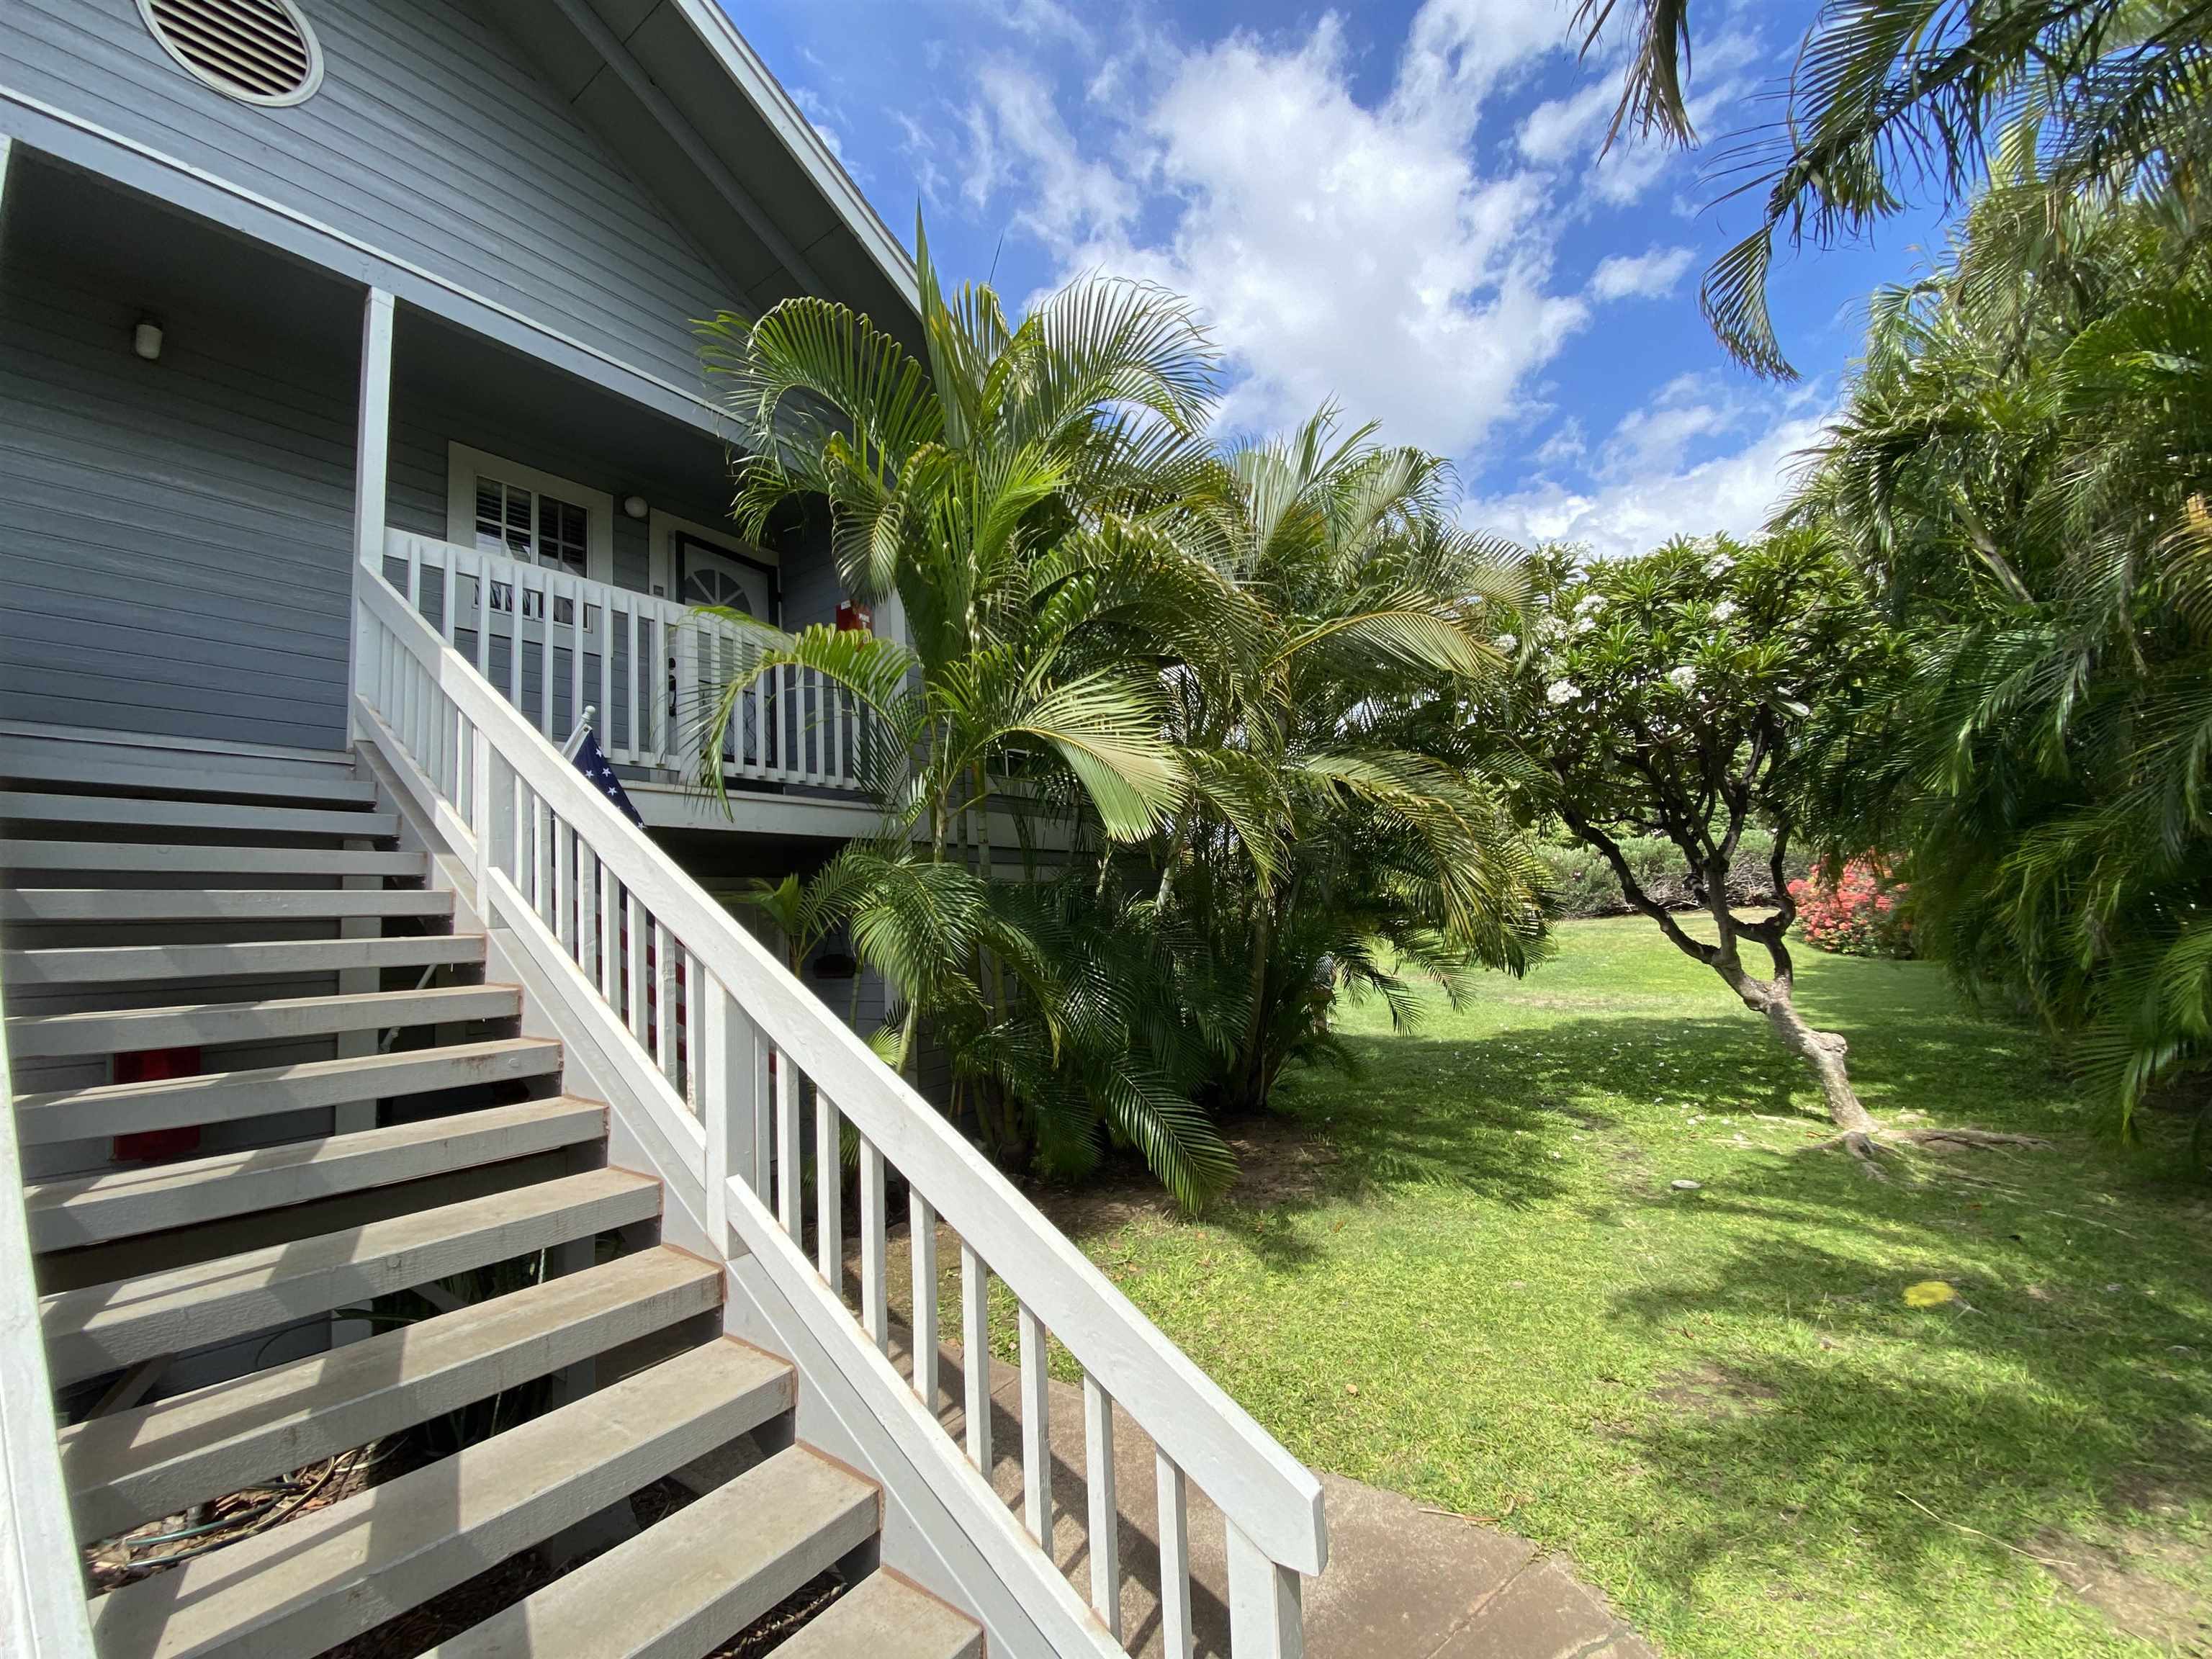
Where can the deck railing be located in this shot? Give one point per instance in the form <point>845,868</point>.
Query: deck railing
<point>727,1052</point>
<point>557,644</point>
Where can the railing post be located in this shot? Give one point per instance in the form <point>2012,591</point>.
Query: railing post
<point>1266,1617</point>
<point>728,1099</point>
<point>372,460</point>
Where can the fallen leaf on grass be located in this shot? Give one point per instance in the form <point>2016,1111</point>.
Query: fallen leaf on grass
<point>1928,1293</point>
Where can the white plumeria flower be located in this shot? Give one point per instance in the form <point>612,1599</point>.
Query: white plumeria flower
<point>1591,602</point>
<point>1682,678</point>
<point>1559,691</point>
<point>1506,643</point>
<point>1725,610</point>
<point>1583,624</point>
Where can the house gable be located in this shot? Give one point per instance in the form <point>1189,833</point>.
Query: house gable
<point>431,138</point>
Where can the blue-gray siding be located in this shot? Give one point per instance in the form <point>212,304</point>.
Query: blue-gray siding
<point>173,537</point>
<point>430,139</point>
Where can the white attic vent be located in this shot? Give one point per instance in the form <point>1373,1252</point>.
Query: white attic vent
<point>261,51</point>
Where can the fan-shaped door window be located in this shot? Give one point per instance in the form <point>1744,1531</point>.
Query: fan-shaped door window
<point>259,50</point>
<point>706,574</point>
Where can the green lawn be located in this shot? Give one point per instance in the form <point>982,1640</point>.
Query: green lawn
<point>1466,1275</point>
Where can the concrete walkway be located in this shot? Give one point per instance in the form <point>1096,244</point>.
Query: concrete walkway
<point>1403,1583</point>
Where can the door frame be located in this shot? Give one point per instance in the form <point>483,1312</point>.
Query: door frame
<point>666,531</point>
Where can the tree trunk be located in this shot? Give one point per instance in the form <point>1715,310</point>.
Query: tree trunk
<point>1824,1052</point>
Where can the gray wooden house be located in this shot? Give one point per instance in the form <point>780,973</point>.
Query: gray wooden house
<point>367,1072</point>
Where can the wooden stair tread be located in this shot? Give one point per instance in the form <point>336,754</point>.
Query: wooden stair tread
<point>679,1589</point>
<point>117,1108</point>
<point>21,858</point>
<point>129,1468</point>
<point>115,812</point>
<point>116,964</point>
<point>35,765</point>
<point>118,1203</point>
<point>106,1031</point>
<point>317,1580</point>
<point>885,1617</point>
<point>102,1327</point>
<point>218,903</point>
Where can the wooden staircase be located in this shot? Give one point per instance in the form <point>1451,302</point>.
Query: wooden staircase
<point>367,1204</point>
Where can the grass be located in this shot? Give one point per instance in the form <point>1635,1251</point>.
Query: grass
<point>1468,1275</point>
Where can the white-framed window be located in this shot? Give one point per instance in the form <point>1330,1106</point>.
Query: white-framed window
<point>502,505</point>
<point>533,526</point>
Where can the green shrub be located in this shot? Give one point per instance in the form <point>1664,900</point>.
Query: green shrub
<point>1584,883</point>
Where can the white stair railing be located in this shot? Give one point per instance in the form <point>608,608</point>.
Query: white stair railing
<point>720,1030</point>
<point>549,639</point>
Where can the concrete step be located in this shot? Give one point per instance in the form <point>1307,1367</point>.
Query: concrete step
<point>314,1581</point>
<point>102,1327</point>
<point>23,857</point>
<point>128,964</point>
<point>122,1108</point>
<point>885,1617</point>
<point>124,812</point>
<point>218,904</point>
<point>128,1469</point>
<point>122,1203</point>
<point>114,1031</point>
<point>92,766</point>
<point>680,1589</point>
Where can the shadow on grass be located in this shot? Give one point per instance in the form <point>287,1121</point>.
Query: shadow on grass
<point>2058,1399</point>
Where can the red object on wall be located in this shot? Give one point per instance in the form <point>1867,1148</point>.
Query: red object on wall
<point>852,617</point>
<point>148,1066</point>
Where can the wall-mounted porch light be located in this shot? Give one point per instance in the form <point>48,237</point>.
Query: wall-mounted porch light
<point>633,506</point>
<point>146,340</point>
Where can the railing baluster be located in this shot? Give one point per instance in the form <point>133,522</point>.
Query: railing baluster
<point>635,949</point>
<point>606,726</point>
<point>691,1026</point>
<point>875,1302</point>
<point>828,1194</point>
<point>1105,1539</point>
<point>640,745</point>
<point>480,816</point>
<point>663,1003</point>
<point>575,654</point>
<point>789,1158</point>
<point>922,1245</point>
<point>563,884</point>
<point>545,723</point>
<point>1036,1431</point>
<point>1265,1620</point>
<point>975,1354</point>
<point>610,973</point>
<point>1175,1559</point>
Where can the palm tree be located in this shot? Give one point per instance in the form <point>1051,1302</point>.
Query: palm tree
<point>1889,100</point>
<point>1024,495</point>
<point>1341,824</point>
<point>2023,467</point>
<point>1206,698</point>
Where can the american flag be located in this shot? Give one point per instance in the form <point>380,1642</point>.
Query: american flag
<point>592,761</point>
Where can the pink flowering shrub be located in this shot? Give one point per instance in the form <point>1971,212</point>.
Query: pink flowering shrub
<point>1862,915</point>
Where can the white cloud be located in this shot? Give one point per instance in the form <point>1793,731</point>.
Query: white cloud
<point>1635,509</point>
<point>1338,249</point>
<point>1648,276</point>
<point>1569,128</point>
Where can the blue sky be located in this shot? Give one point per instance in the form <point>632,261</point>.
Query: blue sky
<point>1397,206</point>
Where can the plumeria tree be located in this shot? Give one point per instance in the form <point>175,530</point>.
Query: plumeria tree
<point>1675,695</point>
